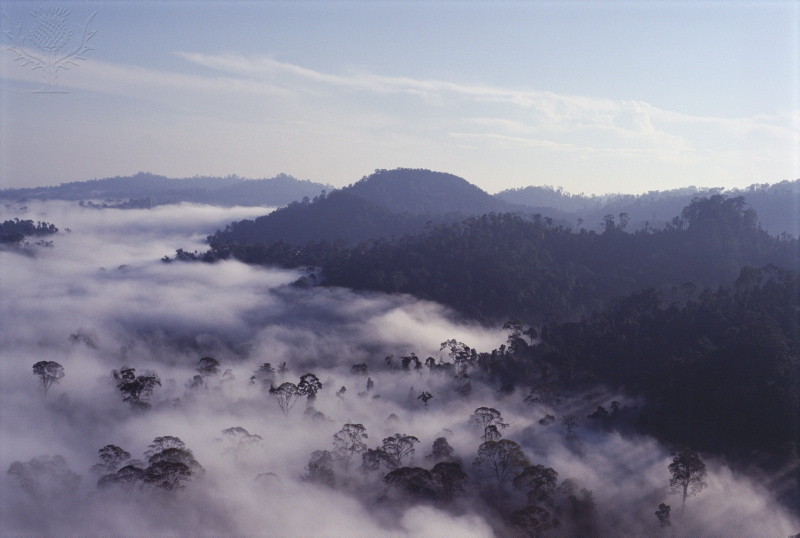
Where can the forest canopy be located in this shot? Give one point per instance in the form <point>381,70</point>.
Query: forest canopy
<point>499,266</point>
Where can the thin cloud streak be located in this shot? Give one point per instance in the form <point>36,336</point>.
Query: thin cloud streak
<point>559,108</point>
<point>580,125</point>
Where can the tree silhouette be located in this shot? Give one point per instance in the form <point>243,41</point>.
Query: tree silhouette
<point>163,443</point>
<point>128,477</point>
<point>503,457</point>
<point>372,458</point>
<point>397,447</point>
<point>111,457</point>
<point>425,396</point>
<point>449,477</point>
<point>171,464</point>
<point>483,417</point>
<point>49,372</point>
<point>441,451</point>
<point>349,441</point>
<point>240,436</point>
<point>688,474</point>
<point>208,366</point>
<point>413,481</point>
<point>491,433</point>
<point>309,386</point>
<point>175,455</point>
<point>264,375</point>
<point>538,482</point>
<point>135,388</point>
<point>166,474</point>
<point>286,394</point>
<point>570,423</point>
<point>662,514</point>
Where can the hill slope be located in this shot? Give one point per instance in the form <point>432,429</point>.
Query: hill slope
<point>386,203</point>
<point>424,192</point>
<point>499,266</point>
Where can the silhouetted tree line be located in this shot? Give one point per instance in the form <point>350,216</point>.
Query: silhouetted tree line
<point>500,266</point>
<point>720,371</point>
<point>14,231</point>
<point>776,204</point>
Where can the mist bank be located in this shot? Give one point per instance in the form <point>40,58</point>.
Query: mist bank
<point>100,300</point>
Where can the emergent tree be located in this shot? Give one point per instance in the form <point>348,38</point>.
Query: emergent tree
<point>688,474</point>
<point>49,372</point>
<point>484,417</point>
<point>349,441</point>
<point>504,458</point>
<point>135,388</point>
<point>286,394</point>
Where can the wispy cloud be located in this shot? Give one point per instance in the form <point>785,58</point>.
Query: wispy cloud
<point>556,114</point>
<point>630,119</point>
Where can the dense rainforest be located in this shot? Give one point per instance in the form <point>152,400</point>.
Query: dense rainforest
<point>500,266</point>
<point>15,231</point>
<point>699,319</point>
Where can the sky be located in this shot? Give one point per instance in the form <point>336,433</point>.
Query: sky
<point>594,97</point>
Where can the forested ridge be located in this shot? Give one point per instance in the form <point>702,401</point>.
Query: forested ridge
<point>385,204</point>
<point>497,266</point>
<point>403,201</point>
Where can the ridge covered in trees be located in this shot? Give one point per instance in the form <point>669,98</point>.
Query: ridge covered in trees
<point>497,266</point>
<point>388,203</point>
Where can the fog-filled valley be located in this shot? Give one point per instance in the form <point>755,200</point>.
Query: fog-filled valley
<point>257,406</point>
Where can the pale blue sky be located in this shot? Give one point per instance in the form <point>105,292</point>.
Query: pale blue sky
<point>591,96</point>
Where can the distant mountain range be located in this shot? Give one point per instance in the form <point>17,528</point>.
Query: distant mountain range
<point>151,189</point>
<point>777,205</point>
<point>402,201</point>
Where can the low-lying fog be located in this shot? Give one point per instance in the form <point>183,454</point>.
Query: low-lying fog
<point>100,299</point>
